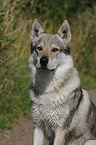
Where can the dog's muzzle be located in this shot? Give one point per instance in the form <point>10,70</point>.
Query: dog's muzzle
<point>44,61</point>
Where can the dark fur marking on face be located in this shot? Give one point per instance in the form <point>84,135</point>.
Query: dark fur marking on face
<point>91,119</point>
<point>32,47</point>
<point>66,51</point>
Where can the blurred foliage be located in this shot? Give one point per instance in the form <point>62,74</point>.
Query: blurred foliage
<point>16,17</point>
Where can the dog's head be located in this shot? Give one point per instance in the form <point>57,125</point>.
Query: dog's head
<point>50,50</point>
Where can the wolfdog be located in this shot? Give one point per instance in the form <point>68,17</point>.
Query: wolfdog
<point>62,112</point>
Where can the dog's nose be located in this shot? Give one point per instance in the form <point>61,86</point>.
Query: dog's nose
<point>44,61</point>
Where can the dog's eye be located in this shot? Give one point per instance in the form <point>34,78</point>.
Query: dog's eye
<point>39,48</point>
<point>55,50</point>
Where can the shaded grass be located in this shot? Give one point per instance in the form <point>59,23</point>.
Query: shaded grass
<point>15,101</point>
<point>87,82</point>
<point>14,85</point>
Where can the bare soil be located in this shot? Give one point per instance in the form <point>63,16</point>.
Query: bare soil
<point>21,133</point>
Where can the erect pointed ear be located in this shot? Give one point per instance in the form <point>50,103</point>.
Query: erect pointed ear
<point>64,31</point>
<point>36,29</point>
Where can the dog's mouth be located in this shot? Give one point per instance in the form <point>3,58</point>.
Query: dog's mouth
<point>45,68</point>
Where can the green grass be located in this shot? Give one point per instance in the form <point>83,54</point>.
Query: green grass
<point>15,85</point>
<point>88,82</point>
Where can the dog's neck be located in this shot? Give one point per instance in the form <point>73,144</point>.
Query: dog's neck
<point>48,82</point>
<point>43,79</point>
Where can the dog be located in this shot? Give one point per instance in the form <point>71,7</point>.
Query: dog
<point>62,112</point>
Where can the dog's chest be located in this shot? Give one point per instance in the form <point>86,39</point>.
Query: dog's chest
<point>48,115</point>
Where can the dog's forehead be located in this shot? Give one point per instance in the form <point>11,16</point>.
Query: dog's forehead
<point>50,39</point>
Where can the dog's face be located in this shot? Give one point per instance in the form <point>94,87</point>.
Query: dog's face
<point>49,50</point>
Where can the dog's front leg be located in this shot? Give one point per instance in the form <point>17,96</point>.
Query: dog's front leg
<point>38,137</point>
<point>60,137</point>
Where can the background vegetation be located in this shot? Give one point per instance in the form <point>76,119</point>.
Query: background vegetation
<point>16,17</point>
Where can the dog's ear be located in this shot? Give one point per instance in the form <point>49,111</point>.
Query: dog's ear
<point>64,31</point>
<point>36,29</point>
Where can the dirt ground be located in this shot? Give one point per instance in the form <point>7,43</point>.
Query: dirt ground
<point>21,133</point>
